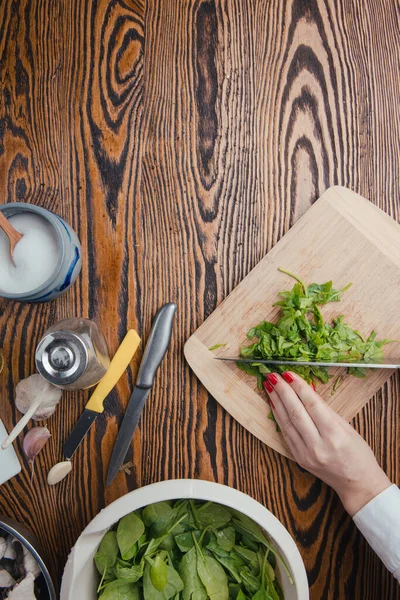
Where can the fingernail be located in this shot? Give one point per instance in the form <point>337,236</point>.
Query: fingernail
<point>268,387</point>
<point>288,377</point>
<point>272,378</point>
<point>313,386</point>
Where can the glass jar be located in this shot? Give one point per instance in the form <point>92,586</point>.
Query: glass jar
<point>72,354</point>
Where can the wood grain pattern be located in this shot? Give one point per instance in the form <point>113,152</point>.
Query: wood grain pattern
<point>356,229</point>
<point>182,139</point>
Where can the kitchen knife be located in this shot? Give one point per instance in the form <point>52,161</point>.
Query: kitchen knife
<point>156,347</point>
<point>390,363</point>
<point>95,405</point>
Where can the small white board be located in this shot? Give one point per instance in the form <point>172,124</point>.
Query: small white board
<point>9,463</point>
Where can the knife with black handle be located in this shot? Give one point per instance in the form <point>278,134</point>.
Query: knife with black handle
<point>156,347</point>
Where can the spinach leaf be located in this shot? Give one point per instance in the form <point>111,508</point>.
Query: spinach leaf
<point>167,539</point>
<point>249,557</point>
<point>168,542</point>
<point>215,548</point>
<point>129,530</point>
<point>193,587</point>
<point>185,541</point>
<point>123,563</point>
<point>249,528</point>
<point>231,565</point>
<point>213,515</point>
<point>273,593</point>
<point>130,574</point>
<point>261,595</point>
<point>164,522</point>
<point>213,577</point>
<point>159,573</point>
<point>120,590</point>
<point>248,543</point>
<point>226,538</point>
<point>173,586</point>
<point>234,589</point>
<point>107,553</point>
<point>250,581</point>
<point>151,512</point>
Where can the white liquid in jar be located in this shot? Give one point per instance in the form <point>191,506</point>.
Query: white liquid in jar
<point>35,256</point>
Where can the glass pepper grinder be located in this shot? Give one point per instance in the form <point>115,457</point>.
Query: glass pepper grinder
<point>72,354</point>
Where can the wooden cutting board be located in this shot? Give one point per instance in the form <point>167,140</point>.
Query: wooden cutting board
<point>342,237</point>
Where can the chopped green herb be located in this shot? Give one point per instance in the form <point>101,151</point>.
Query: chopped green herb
<point>216,347</point>
<point>336,385</point>
<point>302,334</point>
<point>272,417</point>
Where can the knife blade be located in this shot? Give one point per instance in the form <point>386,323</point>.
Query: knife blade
<point>156,347</point>
<point>95,406</point>
<point>390,363</point>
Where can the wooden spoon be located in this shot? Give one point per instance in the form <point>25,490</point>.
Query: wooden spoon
<point>13,235</point>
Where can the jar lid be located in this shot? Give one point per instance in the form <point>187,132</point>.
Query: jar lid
<point>61,357</point>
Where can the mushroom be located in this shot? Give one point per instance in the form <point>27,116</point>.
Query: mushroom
<point>24,590</point>
<point>30,564</point>
<point>6,580</point>
<point>10,552</point>
<point>19,569</point>
<point>3,546</point>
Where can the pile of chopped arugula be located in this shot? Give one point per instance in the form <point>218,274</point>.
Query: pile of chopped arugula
<point>302,334</point>
<point>188,550</point>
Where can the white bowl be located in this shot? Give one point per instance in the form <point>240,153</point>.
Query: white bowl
<point>80,576</point>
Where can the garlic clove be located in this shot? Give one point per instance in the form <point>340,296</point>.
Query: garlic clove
<point>34,441</point>
<point>59,472</point>
<point>6,580</point>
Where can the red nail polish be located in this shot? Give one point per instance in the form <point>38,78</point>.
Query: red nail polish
<point>272,378</point>
<point>313,386</point>
<point>268,387</point>
<point>288,377</point>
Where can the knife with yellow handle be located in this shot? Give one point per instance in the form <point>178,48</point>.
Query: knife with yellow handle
<point>95,406</point>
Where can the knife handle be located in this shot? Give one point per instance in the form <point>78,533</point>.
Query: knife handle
<point>157,345</point>
<point>118,365</point>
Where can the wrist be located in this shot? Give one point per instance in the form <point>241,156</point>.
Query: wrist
<point>357,494</point>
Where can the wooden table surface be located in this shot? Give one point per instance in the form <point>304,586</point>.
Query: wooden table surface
<point>182,139</point>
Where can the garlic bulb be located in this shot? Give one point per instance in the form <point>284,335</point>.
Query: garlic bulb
<point>37,399</point>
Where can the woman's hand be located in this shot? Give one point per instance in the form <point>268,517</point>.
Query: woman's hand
<point>324,443</point>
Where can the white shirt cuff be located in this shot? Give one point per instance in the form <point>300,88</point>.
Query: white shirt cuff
<point>379,522</point>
